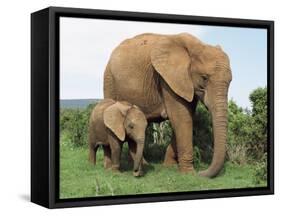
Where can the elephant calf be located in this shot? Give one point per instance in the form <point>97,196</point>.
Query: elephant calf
<point>111,123</point>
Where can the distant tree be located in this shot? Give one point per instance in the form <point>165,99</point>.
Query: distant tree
<point>239,132</point>
<point>75,123</point>
<point>258,100</point>
<point>247,129</point>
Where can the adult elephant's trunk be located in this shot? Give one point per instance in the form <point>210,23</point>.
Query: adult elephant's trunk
<point>219,121</point>
<point>138,157</point>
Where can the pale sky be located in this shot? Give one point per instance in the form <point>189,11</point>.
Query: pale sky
<point>86,44</point>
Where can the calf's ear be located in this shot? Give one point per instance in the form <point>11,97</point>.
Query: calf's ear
<point>114,117</point>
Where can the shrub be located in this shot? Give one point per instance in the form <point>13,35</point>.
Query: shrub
<point>260,171</point>
<point>157,137</point>
<point>239,134</point>
<point>74,123</point>
<point>202,133</point>
<point>196,157</point>
<point>247,130</point>
<point>237,154</point>
<point>159,133</point>
<point>258,145</point>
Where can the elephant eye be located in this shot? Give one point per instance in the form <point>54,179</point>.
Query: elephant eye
<point>131,126</point>
<point>205,78</point>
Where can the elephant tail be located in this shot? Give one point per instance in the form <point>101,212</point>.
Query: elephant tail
<point>108,83</point>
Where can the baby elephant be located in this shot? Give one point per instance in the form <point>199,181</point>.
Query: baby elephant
<point>111,123</point>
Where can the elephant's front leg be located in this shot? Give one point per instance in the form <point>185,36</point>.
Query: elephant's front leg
<point>115,147</point>
<point>132,152</point>
<point>180,115</point>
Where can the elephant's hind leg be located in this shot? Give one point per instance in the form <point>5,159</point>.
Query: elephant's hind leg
<point>92,153</point>
<point>107,157</point>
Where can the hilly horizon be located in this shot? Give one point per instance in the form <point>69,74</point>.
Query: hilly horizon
<point>77,103</point>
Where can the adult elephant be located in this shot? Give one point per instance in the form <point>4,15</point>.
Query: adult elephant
<point>169,74</point>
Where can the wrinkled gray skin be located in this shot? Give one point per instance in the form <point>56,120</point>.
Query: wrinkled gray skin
<point>111,123</point>
<point>171,73</point>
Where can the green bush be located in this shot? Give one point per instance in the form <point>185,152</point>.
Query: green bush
<point>74,123</point>
<point>258,145</point>
<point>247,130</point>
<point>157,137</point>
<point>260,169</point>
<point>239,133</point>
<point>196,157</point>
<point>202,133</point>
<point>159,133</point>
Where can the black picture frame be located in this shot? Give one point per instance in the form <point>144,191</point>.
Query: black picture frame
<point>45,106</point>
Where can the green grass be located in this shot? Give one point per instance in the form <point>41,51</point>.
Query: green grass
<point>79,178</point>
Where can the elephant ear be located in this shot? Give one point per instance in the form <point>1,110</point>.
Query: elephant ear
<point>114,117</point>
<point>172,61</point>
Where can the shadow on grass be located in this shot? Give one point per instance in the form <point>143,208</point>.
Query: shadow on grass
<point>153,154</point>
